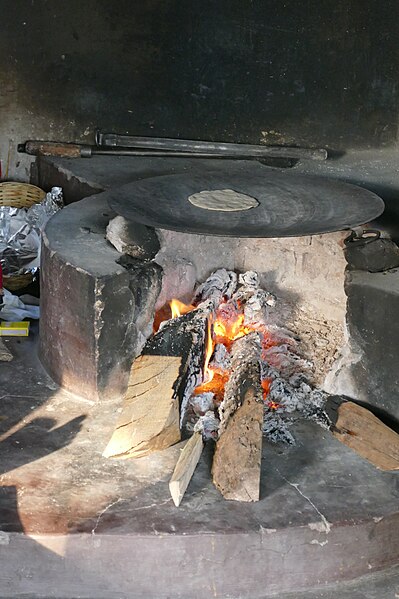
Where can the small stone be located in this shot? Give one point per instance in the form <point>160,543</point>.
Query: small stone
<point>133,239</point>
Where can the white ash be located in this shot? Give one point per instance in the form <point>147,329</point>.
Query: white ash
<point>208,424</point>
<point>202,403</point>
<point>285,361</point>
<point>298,399</point>
<point>246,348</point>
<point>221,359</point>
<point>249,279</point>
<point>248,284</point>
<point>256,300</point>
<point>294,398</point>
<point>276,429</point>
<point>219,285</point>
<point>256,308</point>
<point>267,372</point>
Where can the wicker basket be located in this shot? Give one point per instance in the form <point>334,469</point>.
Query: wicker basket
<point>19,195</point>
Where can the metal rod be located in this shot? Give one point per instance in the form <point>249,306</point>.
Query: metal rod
<point>69,150</point>
<point>169,154</point>
<point>208,147</point>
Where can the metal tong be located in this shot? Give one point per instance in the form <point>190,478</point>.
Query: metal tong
<point>112,144</point>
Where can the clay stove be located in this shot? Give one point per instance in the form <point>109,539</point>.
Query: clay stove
<point>307,498</point>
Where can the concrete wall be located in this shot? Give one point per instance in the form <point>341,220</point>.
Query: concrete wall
<point>314,73</point>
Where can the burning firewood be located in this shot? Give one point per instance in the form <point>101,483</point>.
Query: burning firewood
<point>244,371</point>
<point>163,378</point>
<point>237,460</point>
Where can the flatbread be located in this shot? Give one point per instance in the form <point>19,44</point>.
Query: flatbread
<point>225,200</point>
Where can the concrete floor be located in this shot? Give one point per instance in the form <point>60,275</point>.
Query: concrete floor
<point>383,585</point>
<point>73,524</point>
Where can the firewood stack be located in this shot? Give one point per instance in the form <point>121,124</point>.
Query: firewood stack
<point>222,370</point>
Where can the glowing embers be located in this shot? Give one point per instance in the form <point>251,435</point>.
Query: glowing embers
<point>239,333</point>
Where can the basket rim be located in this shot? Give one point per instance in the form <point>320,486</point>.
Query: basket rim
<point>20,184</point>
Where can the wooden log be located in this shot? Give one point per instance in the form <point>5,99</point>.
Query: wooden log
<point>245,356</point>
<point>358,428</point>
<point>150,417</point>
<point>185,467</point>
<point>5,354</point>
<point>237,460</point>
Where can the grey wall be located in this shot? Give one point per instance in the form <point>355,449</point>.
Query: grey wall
<point>310,72</point>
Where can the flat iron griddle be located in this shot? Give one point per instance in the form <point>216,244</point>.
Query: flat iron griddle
<point>289,204</point>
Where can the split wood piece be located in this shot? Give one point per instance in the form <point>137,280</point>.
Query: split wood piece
<point>161,380</point>
<point>358,428</point>
<point>184,337</point>
<point>237,461</point>
<point>5,354</point>
<point>150,415</point>
<point>185,467</point>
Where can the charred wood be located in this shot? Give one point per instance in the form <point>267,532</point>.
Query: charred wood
<point>245,367</point>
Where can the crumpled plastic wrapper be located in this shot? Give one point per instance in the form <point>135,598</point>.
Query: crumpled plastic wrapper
<point>20,232</point>
<point>14,309</point>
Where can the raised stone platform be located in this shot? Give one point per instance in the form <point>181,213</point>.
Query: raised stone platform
<point>75,524</point>
<point>93,309</point>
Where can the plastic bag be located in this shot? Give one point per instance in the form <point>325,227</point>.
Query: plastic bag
<point>20,231</point>
<point>14,310</point>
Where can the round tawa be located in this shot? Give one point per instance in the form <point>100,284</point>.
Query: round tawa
<point>246,204</point>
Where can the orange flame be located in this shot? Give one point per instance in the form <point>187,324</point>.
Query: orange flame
<point>215,386</point>
<point>227,331</point>
<point>208,372</point>
<point>266,387</point>
<point>272,405</point>
<point>178,308</point>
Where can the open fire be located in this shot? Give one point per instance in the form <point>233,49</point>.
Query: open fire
<point>224,369</point>
<point>245,310</point>
<point>224,328</point>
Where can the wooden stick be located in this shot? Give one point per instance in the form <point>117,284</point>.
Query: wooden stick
<point>185,467</point>
<point>358,428</point>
